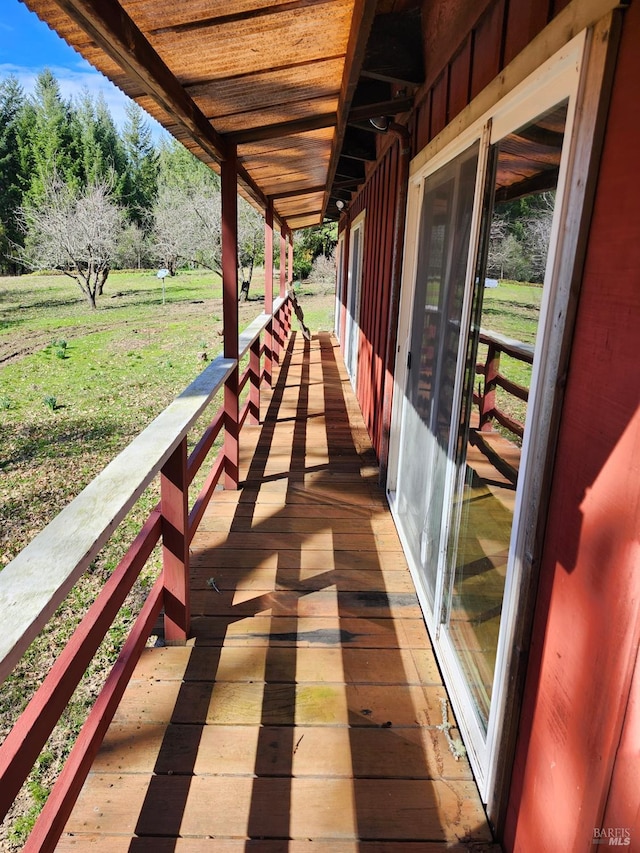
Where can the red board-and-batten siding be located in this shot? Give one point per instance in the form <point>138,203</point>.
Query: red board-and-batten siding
<point>378,199</point>
<point>578,758</point>
<point>577,762</point>
<point>466,45</point>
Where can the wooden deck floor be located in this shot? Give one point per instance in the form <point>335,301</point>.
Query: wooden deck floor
<point>303,716</point>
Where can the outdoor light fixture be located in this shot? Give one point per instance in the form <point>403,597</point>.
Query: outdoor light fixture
<point>380,123</point>
<point>339,204</point>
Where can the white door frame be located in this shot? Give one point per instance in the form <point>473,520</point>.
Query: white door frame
<point>339,283</point>
<point>354,290</point>
<point>556,79</point>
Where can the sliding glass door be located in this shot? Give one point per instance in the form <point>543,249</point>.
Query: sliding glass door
<point>445,222</point>
<point>476,316</point>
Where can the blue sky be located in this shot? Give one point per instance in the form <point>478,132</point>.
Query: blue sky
<point>27,46</point>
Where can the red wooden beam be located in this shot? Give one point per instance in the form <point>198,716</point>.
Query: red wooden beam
<point>283,260</point>
<point>268,292</point>
<point>229,178</point>
<point>175,548</point>
<point>290,268</point>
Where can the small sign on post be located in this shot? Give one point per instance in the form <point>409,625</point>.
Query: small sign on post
<point>162,274</point>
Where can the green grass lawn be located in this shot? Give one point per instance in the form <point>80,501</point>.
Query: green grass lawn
<point>512,309</point>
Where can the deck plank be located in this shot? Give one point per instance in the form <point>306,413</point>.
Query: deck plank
<point>304,715</point>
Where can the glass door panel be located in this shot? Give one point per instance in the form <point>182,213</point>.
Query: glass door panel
<point>354,283</point>
<point>444,234</point>
<point>506,305</point>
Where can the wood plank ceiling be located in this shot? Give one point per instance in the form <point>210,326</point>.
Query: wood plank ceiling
<point>275,79</point>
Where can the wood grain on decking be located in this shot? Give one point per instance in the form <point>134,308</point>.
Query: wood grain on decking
<point>302,716</point>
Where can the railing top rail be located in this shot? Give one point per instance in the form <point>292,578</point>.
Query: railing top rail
<point>39,578</point>
<point>518,349</point>
<point>253,330</point>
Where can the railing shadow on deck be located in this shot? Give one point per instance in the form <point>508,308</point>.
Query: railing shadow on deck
<point>383,717</point>
<point>37,581</point>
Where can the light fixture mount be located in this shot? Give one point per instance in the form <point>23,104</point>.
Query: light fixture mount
<point>380,123</point>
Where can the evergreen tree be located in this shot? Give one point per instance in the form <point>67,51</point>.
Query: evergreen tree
<point>52,149</point>
<point>12,100</point>
<point>142,165</point>
<point>99,147</point>
<point>178,167</point>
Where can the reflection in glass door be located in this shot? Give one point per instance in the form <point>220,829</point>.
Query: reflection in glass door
<point>445,224</point>
<point>501,340</point>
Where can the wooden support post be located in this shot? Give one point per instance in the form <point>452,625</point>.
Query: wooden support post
<point>174,506</point>
<point>488,398</point>
<point>290,265</point>
<point>283,260</point>
<point>229,176</point>
<point>289,309</point>
<point>268,292</point>
<point>278,325</point>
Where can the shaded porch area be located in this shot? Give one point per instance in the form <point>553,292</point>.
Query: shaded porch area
<point>307,712</point>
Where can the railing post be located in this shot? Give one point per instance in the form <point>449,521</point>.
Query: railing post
<point>268,292</point>
<point>229,180</point>
<point>175,548</point>
<point>488,398</point>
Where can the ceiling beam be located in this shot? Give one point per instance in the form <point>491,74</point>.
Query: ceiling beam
<point>284,128</point>
<point>542,181</point>
<point>114,32</point>
<point>298,192</point>
<point>361,22</point>
<point>382,108</point>
<point>394,50</point>
<point>244,15</point>
<point>386,77</point>
<point>349,169</point>
<point>349,184</point>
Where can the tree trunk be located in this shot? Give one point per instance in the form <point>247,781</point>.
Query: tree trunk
<point>101,280</point>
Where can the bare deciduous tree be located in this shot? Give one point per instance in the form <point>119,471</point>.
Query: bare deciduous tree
<point>188,229</point>
<point>74,231</point>
<point>250,243</point>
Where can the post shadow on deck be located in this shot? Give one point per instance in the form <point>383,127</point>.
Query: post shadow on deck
<point>378,789</point>
<point>162,812</point>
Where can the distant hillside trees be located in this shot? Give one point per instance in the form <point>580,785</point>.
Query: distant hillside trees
<point>11,172</point>
<point>48,141</point>
<point>69,153</point>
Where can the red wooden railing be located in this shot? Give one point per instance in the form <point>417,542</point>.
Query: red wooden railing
<point>37,581</point>
<point>490,369</point>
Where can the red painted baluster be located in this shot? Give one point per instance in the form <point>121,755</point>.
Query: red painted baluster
<point>488,399</point>
<point>175,549</point>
